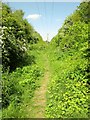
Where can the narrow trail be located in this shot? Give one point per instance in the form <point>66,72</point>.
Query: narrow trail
<point>39,100</point>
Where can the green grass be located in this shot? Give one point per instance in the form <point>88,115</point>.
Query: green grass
<point>67,90</point>
<point>19,86</point>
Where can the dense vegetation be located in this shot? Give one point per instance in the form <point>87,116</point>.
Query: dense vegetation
<point>21,47</point>
<point>23,67</point>
<point>68,95</point>
<point>16,35</point>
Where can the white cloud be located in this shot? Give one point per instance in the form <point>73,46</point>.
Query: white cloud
<point>33,16</point>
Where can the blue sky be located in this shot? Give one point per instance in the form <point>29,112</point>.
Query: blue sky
<point>45,17</point>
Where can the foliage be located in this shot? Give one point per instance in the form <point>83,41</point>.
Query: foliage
<point>16,35</point>
<point>67,91</point>
<point>21,71</point>
<point>17,85</point>
<point>67,95</point>
<point>68,53</point>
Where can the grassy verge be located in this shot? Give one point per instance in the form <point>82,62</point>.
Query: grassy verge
<point>20,85</point>
<point>67,90</point>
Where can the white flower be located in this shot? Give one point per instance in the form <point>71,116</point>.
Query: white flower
<point>0,36</point>
<point>24,48</point>
<point>4,27</point>
<point>10,27</point>
<point>1,42</point>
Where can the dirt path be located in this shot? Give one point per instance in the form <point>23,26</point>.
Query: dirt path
<point>39,100</point>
